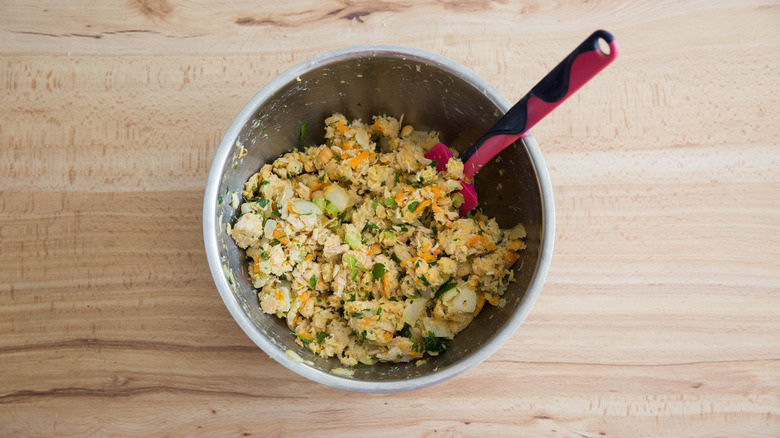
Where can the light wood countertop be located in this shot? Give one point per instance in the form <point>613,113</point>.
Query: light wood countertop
<point>660,313</point>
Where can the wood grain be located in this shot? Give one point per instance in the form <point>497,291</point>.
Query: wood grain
<point>659,316</point>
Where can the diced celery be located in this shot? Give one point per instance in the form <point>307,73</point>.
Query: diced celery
<point>319,202</point>
<point>352,239</point>
<point>457,200</point>
<point>331,208</point>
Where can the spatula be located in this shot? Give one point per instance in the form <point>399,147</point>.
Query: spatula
<point>587,60</point>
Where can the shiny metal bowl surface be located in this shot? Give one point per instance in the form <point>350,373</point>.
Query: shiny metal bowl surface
<point>430,92</point>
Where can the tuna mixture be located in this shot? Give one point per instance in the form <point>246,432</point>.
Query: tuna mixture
<point>358,244</point>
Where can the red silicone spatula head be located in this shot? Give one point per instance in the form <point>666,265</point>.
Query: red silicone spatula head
<point>441,154</point>
<point>587,60</point>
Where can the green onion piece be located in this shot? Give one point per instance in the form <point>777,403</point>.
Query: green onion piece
<point>321,337</point>
<point>313,281</point>
<point>413,205</point>
<point>371,226</point>
<point>375,204</point>
<point>304,340</point>
<point>390,202</point>
<point>304,127</point>
<point>395,258</point>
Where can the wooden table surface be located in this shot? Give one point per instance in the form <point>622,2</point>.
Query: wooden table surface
<point>660,313</point>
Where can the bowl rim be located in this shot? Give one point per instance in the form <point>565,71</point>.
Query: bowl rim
<point>210,223</point>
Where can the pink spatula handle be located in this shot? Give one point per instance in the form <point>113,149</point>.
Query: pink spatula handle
<point>564,80</point>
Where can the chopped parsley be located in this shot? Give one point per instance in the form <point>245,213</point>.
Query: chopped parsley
<point>434,344</point>
<point>262,202</point>
<point>378,271</point>
<point>446,287</point>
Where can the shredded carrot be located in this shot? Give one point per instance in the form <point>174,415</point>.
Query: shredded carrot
<point>318,186</point>
<point>344,156</point>
<point>357,160</point>
<point>421,206</point>
<point>280,236</point>
<point>480,303</point>
<point>427,257</point>
<point>342,128</point>
<point>510,257</point>
<point>400,196</point>
<point>278,295</point>
<point>486,243</point>
<point>291,208</point>
<point>372,157</point>
<point>473,241</point>
<point>437,191</point>
<point>303,297</point>
<point>257,265</point>
<point>436,250</point>
<point>365,322</point>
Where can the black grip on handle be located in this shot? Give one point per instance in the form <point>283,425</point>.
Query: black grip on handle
<point>555,85</point>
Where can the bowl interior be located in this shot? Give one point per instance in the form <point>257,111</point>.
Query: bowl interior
<point>428,94</point>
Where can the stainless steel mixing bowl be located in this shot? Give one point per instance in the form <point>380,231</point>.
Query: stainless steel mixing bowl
<point>430,92</point>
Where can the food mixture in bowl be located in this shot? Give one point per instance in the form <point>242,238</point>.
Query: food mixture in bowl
<point>359,245</point>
